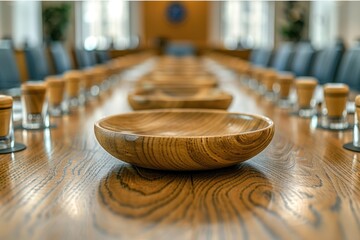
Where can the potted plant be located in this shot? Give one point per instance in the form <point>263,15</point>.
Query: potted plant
<point>294,24</point>
<point>56,21</point>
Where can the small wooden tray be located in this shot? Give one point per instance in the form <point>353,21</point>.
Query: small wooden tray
<point>184,139</point>
<point>209,98</point>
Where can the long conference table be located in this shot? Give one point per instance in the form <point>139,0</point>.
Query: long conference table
<point>66,186</point>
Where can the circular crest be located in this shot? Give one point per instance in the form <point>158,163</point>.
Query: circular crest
<point>176,12</point>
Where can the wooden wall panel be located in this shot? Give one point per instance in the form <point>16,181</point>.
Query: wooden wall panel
<point>21,62</point>
<point>194,28</point>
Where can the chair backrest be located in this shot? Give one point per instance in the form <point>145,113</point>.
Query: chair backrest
<point>283,57</point>
<point>36,63</point>
<point>180,49</point>
<point>102,56</point>
<point>303,58</point>
<point>85,58</point>
<point>326,64</point>
<point>349,71</point>
<point>60,57</point>
<point>253,54</point>
<point>261,57</point>
<point>9,72</point>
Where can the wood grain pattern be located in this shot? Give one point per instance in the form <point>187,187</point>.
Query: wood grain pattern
<point>65,186</point>
<point>142,99</point>
<point>191,139</point>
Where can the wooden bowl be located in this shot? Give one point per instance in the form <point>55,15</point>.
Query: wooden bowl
<point>177,81</point>
<point>141,99</point>
<point>181,72</point>
<point>184,139</point>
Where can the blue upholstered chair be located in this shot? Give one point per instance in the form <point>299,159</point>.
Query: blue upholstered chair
<point>253,55</point>
<point>9,72</point>
<point>349,69</point>
<point>303,59</point>
<point>102,56</point>
<point>283,57</point>
<point>180,49</point>
<point>60,57</point>
<point>84,58</point>
<point>36,63</point>
<point>326,64</point>
<point>261,57</point>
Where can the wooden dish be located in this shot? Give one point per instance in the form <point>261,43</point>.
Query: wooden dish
<point>184,139</point>
<point>177,81</point>
<point>181,72</point>
<point>209,98</point>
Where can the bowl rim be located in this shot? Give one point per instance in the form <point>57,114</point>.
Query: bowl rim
<point>269,121</point>
<point>195,82</point>
<point>223,95</point>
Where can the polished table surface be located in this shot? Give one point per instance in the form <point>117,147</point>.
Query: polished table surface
<point>65,186</point>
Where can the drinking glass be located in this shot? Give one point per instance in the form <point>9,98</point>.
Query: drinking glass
<point>305,89</point>
<point>334,113</point>
<point>282,89</point>
<point>6,126</point>
<point>55,91</point>
<point>74,95</point>
<point>35,107</point>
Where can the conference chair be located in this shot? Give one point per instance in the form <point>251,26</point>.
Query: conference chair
<point>349,69</point>
<point>60,57</point>
<point>85,58</point>
<point>103,56</point>
<point>9,72</point>
<point>326,63</point>
<point>283,57</point>
<point>261,57</point>
<point>36,63</point>
<point>303,59</point>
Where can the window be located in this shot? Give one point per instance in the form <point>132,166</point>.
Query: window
<point>104,24</point>
<point>26,23</point>
<point>248,24</point>
<point>323,27</point>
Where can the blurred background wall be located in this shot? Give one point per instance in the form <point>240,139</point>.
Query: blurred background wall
<point>228,24</point>
<point>194,27</point>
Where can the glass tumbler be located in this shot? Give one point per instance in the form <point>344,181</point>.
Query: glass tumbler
<point>282,88</point>
<point>268,80</point>
<point>305,89</point>
<point>55,91</point>
<point>356,135</point>
<point>6,126</point>
<point>91,89</point>
<point>334,113</point>
<point>74,88</point>
<point>35,112</point>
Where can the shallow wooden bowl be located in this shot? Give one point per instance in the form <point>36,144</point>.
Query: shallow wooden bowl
<point>208,98</point>
<point>179,73</point>
<point>173,82</point>
<point>184,139</point>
